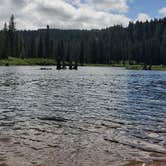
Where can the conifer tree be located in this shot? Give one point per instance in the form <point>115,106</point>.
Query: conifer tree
<point>82,53</point>
<point>40,48</point>
<point>11,33</point>
<point>5,43</point>
<point>47,43</point>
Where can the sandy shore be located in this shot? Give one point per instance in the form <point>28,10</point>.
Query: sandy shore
<point>18,152</point>
<point>153,163</point>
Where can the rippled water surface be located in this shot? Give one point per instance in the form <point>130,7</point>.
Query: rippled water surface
<point>93,116</point>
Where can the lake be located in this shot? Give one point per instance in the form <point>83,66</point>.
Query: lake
<point>96,116</point>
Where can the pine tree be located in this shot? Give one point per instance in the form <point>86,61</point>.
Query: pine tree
<point>5,43</point>
<point>47,43</point>
<point>40,48</point>
<point>82,53</point>
<point>32,48</point>
<point>58,57</point>
<point>68,58</point>
<point>11,33</point>
<point>163,49</point>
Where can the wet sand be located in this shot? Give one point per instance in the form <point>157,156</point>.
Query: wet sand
<point>153,163</point>
<point>18,152</point>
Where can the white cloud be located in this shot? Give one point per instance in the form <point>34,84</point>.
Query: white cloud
<point>162,11</point>
<point>66,14</point>
<point>120,6</point>
<point>143,17</point>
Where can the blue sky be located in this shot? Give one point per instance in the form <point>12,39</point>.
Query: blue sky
<point>151,7</point>
<point>79,14</point>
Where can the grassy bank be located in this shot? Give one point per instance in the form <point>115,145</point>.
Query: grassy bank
<point>128,67</point>
<point>140,67</point>
<point>105,65</point>
<point>26,61</point>
<point>41,61</point>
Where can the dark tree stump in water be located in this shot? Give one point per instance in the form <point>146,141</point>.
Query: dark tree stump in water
<point>75,67</point>
<point>58,65</point>
<point>70,66</point>
<point>64,66</point>
<point>145,67</point>
<point>150,67</point>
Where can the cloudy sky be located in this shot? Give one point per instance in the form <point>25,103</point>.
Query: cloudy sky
<point>79,14</point>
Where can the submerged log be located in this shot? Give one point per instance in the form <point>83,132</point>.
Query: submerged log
<point>44,68</point>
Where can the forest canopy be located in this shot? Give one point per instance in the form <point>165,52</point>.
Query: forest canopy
<point>139,43</point>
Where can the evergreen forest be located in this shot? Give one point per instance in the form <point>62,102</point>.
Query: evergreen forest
<point>139,43</point>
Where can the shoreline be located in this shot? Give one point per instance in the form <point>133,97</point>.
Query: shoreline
<point>52,62</point>
<point>19,151</point>
<point>153,163</point>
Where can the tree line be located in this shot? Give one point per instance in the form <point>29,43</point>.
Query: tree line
<point>139,43</point>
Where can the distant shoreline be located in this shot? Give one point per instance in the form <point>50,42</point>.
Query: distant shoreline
<point>51,62</point>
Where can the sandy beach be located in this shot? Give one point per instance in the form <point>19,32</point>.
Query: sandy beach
<point>17,152</point>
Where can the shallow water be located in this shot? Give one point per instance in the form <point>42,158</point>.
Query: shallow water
<point>93,116</point>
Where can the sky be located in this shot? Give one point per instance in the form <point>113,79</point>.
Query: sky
<point>79,14</point>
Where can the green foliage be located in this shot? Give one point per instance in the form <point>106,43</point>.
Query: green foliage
<point>140,67</point>
<point>12,37</point>
<point>27,61</point>
<point>139,43</point>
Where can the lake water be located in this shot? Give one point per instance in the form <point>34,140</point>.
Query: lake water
<point>94,116</point>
